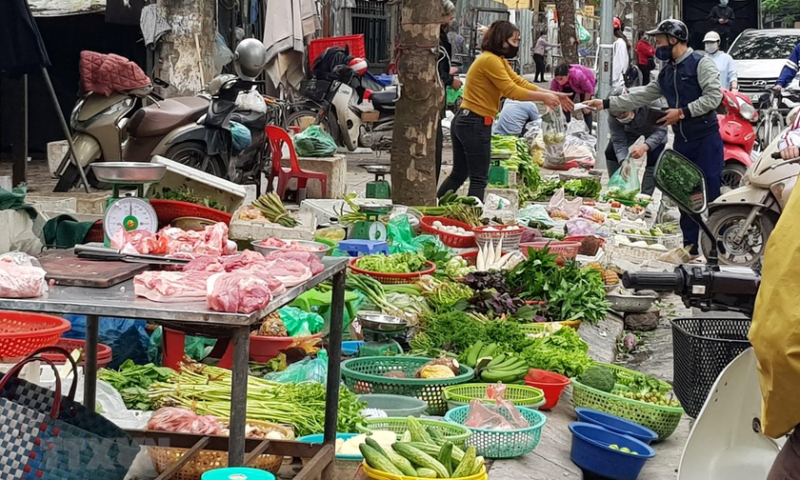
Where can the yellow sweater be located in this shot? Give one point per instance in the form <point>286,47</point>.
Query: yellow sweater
<point>489,79</point>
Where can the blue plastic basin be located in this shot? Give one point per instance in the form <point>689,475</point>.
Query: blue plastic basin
<point>351,347</point>
<point>237,473</point>
<point>319,438</point>
<point>590,451</point>
<point>616,424</point>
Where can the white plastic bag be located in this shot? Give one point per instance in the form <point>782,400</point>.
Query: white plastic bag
<point>499,207</point>
<point>251,100</point>
<point>21,276</point>
<point>555,133</point>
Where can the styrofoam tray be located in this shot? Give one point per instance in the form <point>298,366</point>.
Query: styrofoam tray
<point>228,194</point>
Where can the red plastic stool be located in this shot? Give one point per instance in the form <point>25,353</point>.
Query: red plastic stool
<point>277,137</point>
<point>173,344</point>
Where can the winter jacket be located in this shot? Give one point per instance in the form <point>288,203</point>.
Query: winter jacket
<point>790,69</point>
<point>581,80</point>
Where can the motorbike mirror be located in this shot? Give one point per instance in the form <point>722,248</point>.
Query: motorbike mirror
<point>682,181</point>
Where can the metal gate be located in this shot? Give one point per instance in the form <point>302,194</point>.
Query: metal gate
<point>371,18</point>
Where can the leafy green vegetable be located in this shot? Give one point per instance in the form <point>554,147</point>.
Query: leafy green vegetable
<point>453,330</point>
<point>563,351</point>
<point>584,187</point>
<point>186,194</point>
<point>599,377</point>
<point>449,296</point>
<point>132,382</point>
<point>408,262</point>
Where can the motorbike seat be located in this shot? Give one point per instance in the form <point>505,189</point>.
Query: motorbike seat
<point>160,119</point>
<point>384,100</point>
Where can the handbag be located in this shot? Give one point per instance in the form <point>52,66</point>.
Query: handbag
<point>47,436</point>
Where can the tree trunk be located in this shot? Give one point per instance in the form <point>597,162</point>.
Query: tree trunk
<point>567,35</point>
<point>645,15</point>
<point>419,107</point>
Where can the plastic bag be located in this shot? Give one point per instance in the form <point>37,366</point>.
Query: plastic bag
<point>624,184</point>
<point>580,227</point>
<point>241,136</point>
<point>313,142</point>
<point>401,236</point>
<point>196,348</point>
<point>306,370</point>
<point>583,35</point>
<point>21,276</point>
<point>127,338</point>
<point>222,54</point>
<point>560,204</point>
<point>534,213</point>
<point>300,323</point>
<point>554,136</point>
<point>497,206</point>
<point>251,100</point>
<point>502,416</point>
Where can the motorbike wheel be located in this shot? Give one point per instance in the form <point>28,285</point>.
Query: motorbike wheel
<point>732,175</point>
<point>305,118</point>
<point>724,224</point>
<point>193,154</point>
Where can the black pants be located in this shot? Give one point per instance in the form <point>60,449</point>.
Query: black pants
<point>645,73</point>
<point>787,464</point>
<point>472,152</point>
<point>439,147</point>
<point>539,61</point>
<point>648,182</point>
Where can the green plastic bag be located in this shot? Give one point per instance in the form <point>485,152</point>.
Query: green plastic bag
<point>306,370</point>
<point>313,142</point>
<point>300,323</point>
<point>401,236</point>
<point>624,184</point>
<point>583,35</point>
<point>197,348</point>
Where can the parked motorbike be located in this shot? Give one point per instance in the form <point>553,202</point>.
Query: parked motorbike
<point>738,136</point>
<point>98,125</point>
<point>725,442</point>
<point>741,220</point>
<point>350,107</point>
<point>198,132</point>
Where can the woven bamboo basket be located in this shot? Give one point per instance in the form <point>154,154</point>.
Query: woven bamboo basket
<point>205,460</point>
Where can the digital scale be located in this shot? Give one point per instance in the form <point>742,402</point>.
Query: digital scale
<point>380,332</point>
<point>378,188</point>
<point>128,211</point>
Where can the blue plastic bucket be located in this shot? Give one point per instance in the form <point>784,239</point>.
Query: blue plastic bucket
<point>591,452</point>
<point>616,424</point>
<point>237,473</point>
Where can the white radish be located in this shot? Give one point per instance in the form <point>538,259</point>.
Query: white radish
<point>498,252</point>
<point>490,256</point>
<point>479,260</point>
<point>504,260</point>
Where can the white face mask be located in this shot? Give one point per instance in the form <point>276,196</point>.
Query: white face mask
<point>626,120</point>
<point>712,47</point>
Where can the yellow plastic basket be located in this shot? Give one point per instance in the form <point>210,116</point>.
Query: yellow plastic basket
<point>379,475</point>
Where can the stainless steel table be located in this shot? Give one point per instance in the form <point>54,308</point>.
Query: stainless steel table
<point>120,301</point>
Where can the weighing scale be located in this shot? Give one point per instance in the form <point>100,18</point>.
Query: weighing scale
<point>380,332</point>
<point>378,188</point>
<point>498,175</point>
<point>128,211</point>
<point>371,228</point>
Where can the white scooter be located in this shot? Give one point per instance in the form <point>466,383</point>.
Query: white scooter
<point>726,442</point>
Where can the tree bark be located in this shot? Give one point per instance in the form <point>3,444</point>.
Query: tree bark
<point>567,35</point>
<point>645,15</point>
<point>419,107</point>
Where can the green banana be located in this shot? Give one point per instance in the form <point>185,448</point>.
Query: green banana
<point>472,355</point>
<point>496,360</point>
<point>488,350</point>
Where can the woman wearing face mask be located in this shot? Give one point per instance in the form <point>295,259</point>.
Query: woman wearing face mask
<point>722,17</point>
<point>577,81</point>
<point>489,79</point>
<point>621,57</point>
<point>626,127</point>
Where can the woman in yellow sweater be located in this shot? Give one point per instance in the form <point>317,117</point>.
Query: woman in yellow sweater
<point>489,79</point>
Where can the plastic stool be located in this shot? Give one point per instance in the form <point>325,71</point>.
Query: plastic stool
<point>173,344</point>
<point>363,247</point>
<point>315,298</point>
<point>242,473</point>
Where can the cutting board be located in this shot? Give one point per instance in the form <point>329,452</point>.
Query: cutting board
<point>66,269</point>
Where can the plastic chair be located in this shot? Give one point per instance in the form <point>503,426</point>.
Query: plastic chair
<point>277,137</point>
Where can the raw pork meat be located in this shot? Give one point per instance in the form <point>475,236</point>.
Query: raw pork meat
<point>275,242</point>
<point>171,287</point>
<point>212,241</point>
<point>243,260</point>
<point>19,278</point>
<point>136,242</point>
<point>306,258</point>
<point>238,292</point>
<point>181,420</point>
<point>290,272</point>
<point>205,264</point>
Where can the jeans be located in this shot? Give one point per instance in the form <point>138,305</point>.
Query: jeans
<point>472,153</point>
<point>648,182</point>
<point>706,153</point>
<point>539,61</point>
<point>439,147</point>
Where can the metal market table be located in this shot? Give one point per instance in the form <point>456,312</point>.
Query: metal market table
<point>120,301</point>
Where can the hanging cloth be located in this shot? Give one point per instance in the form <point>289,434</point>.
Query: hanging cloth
<point>22,49</point>
<point>153,24</point>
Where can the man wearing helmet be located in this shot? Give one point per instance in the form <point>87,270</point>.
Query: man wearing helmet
<point>626,128</point>
<point>728,77</point>
<point>690,84</point>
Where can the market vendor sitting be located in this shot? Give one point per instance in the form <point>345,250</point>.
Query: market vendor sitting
<point>515,116</point>
<point>626,127</point>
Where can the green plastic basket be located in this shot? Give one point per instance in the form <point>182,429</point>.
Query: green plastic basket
<point>395,405</point>
<point>451,404</point>
<point>502,443</point>
<point>457,434</point>
<point>365,375</point>
<point>660,419</point>
<point>519,395</point>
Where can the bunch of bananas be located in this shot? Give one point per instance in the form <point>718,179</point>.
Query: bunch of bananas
<point>478,351</point>
<point>492,367</point>
<point>451,198</point>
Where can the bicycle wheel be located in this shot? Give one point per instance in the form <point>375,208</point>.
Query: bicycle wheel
<point>775,126</point>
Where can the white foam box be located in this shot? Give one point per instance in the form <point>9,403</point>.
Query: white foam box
<point>334,167</point>
<point>5,182</point>
<point>14,223</point>
<point>53,205</point>
<point>249,230</point>
<point>228,194</point>
<point>324,209</point>
<point>55,153</point>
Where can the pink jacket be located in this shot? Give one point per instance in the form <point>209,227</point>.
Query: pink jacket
<point>581,81</point>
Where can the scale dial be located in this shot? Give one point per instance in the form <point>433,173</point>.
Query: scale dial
<point>377,231</point>
<point>131,213</point>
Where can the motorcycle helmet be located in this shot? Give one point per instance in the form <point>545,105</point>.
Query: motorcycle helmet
<point>617,23</point>
<point>358,65</point>
<point>672,28</point>
<point>250,59</point>
<point>711,36</point>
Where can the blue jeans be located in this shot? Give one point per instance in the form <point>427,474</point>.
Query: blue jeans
<point>472,153</point>
<point>707,154</point>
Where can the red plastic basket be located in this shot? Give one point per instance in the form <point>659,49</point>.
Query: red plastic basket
<point>104,352</point>
<point>22,333</point>
<point>394,278</point>
<point>169,210</point>
<point>552,384</point>
<point>511,237</point>
<point>449,239</point>
<point>564,250</point>
<point>355,42</point>
<point>264,349</point>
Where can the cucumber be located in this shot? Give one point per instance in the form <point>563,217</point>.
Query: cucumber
<point>398,461</point>
<point>425,473</point>
<point>436,435</point>
<point>467,464</point>
<point>479,464</point>
<point>434,450</point>
<point>406,436</point>
<point>418,432</point>
<point>445,457</point>
<point>418,457</point>
<point>378,461</point>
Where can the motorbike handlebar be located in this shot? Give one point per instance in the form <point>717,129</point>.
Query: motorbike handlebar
<point>776,155</point>
<point>658,281</point>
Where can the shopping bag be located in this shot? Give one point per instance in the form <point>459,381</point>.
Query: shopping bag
<point>46,435</point>
<point>313,142</point>
<point>555,133</point>
<point>624,184</point>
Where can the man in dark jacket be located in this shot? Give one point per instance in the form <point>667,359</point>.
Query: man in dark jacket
<point>446,75</point>
<point>690,84</point>
<point>722,17</point>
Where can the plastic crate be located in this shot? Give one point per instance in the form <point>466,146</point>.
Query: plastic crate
<point>703,348</point>
<point>355,42</point>
<point>511,237</point>
<point>502,443</point>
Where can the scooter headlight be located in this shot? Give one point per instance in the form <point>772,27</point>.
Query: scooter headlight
<point>746,109</point>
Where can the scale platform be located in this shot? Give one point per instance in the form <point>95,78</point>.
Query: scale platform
<point>378,188</point>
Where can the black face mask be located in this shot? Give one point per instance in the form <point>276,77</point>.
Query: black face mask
<point>510,51</point>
